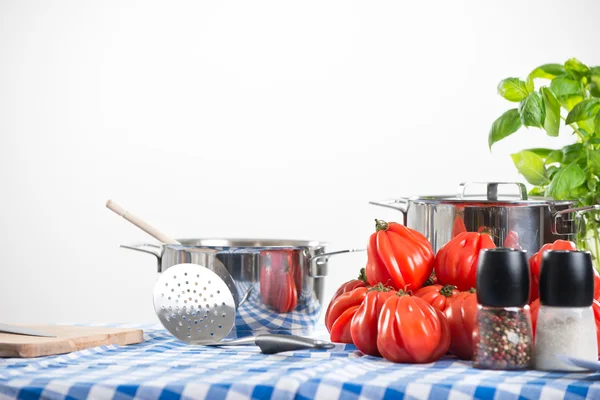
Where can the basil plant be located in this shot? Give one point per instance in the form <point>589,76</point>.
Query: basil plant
<point>569,102</point>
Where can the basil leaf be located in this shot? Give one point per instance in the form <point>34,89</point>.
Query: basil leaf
<point>572,152</point>
<point>597,124</point>
<point>565,181</point>
<point>531,166</point>
<point>594,89</point>
<point>532,110</point>
<point>552,108</point>
<point>513,89</point>
<point>548,71</point>
<point>551,171</point>
<point>583,110</point>
<point>571,101</point>
<point>507,124</point>
<point>592,184</point>
<point>536,191</point>
<point>555,157</point>
<point>594,161</point>
<point>540,151</point>
<point>565,87</point>
<point>576,68</point>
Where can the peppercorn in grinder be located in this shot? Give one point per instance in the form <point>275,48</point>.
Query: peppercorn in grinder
<point>503,336</point>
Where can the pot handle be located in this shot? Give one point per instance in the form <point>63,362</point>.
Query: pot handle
<point>318,262</point>
<point>399,204</point>
<point>559,219</point>
<point>492,189</point>
<point>153,249</point>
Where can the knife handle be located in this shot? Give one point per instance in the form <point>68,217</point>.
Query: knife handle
<point>274,343</point>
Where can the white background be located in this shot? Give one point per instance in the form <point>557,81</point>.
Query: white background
<point>243,119</point>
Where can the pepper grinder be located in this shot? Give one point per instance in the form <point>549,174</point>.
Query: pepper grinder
<point>503,335</point>
<point>565,324</point>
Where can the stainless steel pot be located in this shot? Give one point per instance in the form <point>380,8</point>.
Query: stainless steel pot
<point>264,272</point>
<point>536,220</point>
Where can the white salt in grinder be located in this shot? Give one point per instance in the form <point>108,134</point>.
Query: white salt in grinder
<point>565,324</point>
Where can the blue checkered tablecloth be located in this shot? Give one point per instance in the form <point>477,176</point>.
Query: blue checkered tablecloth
<point>165,368</point>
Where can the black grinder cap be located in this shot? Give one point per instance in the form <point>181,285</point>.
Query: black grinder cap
<point>503,278</point>
<point>567,279</point>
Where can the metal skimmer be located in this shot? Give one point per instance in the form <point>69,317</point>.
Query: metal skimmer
<point>194,303</point>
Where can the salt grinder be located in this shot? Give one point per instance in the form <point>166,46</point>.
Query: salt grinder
<point>503,337</point>
<point>565,323</point>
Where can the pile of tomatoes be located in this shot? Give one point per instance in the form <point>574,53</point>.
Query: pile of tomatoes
<point>410,305</point>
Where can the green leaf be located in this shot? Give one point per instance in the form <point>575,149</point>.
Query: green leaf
<point>531,166</point>
<point>536,191</point>
<point>513,89</point>
<point>594,161</point>
<point>529,84</point>
<point>594,89</point>
<point>562,87</point>
<point>552,108</point>
<point>576,68</point>
<point>540,151</point>
<point>572,153</point>
<point>555,157</point>
<point>548,71</point>
<point>551,171</point>
<point>584,110</point>
<point>592,184</point>
<point>532,110</point>
<point>597,124</point>
<point>571,101</point>
<point>507,124</point>
<point>565,181</point>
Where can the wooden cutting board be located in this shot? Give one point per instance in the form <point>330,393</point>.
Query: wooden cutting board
<point>69,339</point>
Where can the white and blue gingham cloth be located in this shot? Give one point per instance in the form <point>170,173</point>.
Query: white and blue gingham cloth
<point>164,368</point>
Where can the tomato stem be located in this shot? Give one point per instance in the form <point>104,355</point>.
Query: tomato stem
<point>447,290</point>
<point>401,293</point>
<point>380,288</point>
<point>381,225</point>
<point>472,290</point>
<point>362,276</point>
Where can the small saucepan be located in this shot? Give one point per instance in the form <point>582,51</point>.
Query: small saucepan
<point>278,283</point>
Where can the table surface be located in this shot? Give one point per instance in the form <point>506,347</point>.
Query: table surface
<point>163,367</point>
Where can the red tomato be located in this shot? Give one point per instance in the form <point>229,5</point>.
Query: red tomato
<point>398,256</point>
<point>346,287</point>
<point>535,264</point>
<point>411,331</point>
<point>437,295</point>
<point>512,241</point>
<point>534,307</point>
<point>340,315</point>
<point>456,261</point>
<point>461,314</point>
<point>364,323</point>
<point>278,281</point>
<point>458,226</point>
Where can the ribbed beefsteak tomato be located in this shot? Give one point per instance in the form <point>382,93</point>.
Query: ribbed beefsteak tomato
<point>437,295</point>
<point>411,331</point>
<point>364,323</point>
<point>461,314</point>
<point>346,287</point>
<point>341,312</point>
<point>398,256</point>
<point>456,261</point>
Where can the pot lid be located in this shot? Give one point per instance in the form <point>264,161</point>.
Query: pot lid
<point>491,196</point>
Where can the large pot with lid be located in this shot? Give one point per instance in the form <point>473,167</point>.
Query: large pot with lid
<point>535,220</point>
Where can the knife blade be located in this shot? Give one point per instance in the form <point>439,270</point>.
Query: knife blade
<point>21,330</point>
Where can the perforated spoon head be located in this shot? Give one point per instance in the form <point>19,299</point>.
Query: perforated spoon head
<point>194,304</point>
